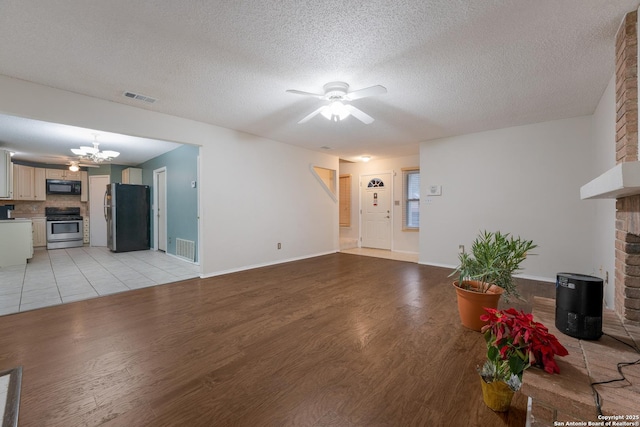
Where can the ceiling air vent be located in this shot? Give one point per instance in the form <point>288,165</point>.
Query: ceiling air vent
<point>140,97</point>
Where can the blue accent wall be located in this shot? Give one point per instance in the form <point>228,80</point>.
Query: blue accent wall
<point>114,171</point>
<point>182,199</point>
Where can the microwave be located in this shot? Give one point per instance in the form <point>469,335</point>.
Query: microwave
<point>59,186</point>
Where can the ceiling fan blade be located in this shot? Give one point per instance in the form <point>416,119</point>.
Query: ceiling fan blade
<point>359,114</point>
<point>368,91</point>
<point>82,165</point>
<point>312,115</point>
<point>300,92</point>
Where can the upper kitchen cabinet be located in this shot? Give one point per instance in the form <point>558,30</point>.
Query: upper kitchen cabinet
<point>6,175</point>
<point>28,184</point>
<point>132,176</point>
<point>84,189</point>
<point>39,184</point>
<point>64,174</point>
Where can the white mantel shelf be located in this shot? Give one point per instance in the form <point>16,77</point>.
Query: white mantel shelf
<point>623,180</point>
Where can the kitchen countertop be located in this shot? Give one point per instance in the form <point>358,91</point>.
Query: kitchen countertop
<point>16,220</point>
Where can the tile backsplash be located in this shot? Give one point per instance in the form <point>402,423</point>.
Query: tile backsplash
<point>30,209</point>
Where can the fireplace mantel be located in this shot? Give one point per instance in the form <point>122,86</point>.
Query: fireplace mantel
<point>623,180</point>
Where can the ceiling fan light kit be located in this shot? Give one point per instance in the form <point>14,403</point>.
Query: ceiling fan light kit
<point>335,111</point>
<point>337,93</point>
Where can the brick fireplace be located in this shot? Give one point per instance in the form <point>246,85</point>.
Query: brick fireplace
<point>627,248</point>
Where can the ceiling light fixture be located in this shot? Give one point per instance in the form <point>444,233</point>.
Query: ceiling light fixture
<point>74,167</point>
<point>93,153</point>
<point>335,111</point>
<point>365,158</point>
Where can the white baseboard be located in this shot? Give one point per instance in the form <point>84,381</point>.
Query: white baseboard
<point>265,264</point>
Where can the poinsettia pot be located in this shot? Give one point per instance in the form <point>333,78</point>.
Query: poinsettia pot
<point>472,301</point>
<point>496,395</point>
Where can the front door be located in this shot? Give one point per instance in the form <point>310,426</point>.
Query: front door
<point>375,202</point>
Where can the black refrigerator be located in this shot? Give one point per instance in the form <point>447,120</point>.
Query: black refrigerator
<point>127,209</point>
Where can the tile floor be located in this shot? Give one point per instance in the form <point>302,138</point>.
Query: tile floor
<point>66,275</point>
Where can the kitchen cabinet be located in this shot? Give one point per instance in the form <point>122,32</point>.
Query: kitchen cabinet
<point>64,174</point>
<point>16,245</point>
<point>23,179</point>
<point>85,230</point>
<point>39,184</point>
<point>6,175</point>
<point>28,183</point>
<point>39,232</point>
<point>84,186</point>
<point>132,176</point>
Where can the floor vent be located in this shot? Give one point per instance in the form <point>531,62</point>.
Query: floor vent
<point>186,249</point>
<point>140,97</point>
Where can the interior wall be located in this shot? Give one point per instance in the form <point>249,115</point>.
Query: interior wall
<point>603,137</point>
<point>523,180</point>
<point>402,241</point>
<point>182,206</point>
<point>254,192</point>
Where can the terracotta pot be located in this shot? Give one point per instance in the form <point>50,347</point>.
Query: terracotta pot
<point>496,395</point>
<point>471,303</point>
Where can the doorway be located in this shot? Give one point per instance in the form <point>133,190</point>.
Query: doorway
<point>97,221</point>
<point>375,208</point>
<point>160,209</point>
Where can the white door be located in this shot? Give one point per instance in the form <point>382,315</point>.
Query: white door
<point>160,192</point>
<point>375,202</point>
<point>97,222</point>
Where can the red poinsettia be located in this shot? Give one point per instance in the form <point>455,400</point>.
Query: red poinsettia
<point>514,342</point>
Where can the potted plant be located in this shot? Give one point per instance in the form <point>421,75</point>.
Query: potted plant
<point>514,343</point>
<point>487,272</point>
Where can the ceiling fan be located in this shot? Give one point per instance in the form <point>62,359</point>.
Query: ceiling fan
<point>75,166</point>
<point>337,93</point>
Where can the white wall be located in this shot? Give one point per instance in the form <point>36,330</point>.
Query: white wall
<point>524,180</point>
<point>254,192</point>
<point>603,135</point>
<point>402,241</point>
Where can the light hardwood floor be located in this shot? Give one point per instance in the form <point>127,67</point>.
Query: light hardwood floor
<point>337,340</point>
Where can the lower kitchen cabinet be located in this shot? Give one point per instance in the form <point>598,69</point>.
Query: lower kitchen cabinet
<point>16,245</point>
<point>85,230</point>
<point>39,232</point>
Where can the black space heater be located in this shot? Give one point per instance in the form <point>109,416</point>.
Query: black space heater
<point>579,305</point>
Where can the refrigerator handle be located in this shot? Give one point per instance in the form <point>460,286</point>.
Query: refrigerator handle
<point>105,206</point>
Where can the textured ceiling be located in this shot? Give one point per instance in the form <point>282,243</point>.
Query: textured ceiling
<point>450,66</point>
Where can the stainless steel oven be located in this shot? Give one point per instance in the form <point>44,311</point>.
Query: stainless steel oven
<point>64,228</point>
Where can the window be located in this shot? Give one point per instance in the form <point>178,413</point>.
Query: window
<point>345,201</point>
<point>411,199</point>
<point>375,182</point>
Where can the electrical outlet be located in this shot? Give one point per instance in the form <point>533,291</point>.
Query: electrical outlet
<point>460,249</point>
<point>279,245</point>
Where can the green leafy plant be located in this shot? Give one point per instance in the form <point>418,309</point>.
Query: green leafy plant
<point>493,259</point>
<point>514,343</point>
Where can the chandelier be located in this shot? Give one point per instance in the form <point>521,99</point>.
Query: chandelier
<point>94,154</point>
